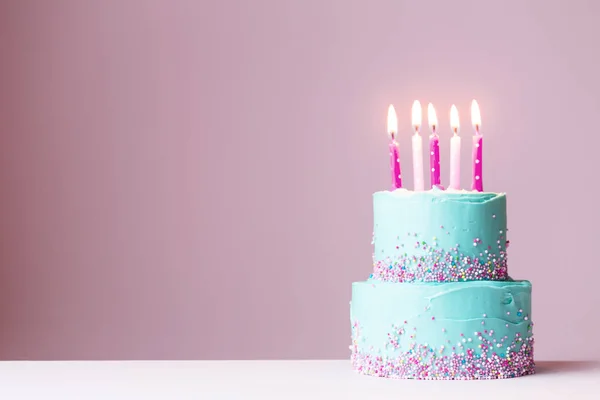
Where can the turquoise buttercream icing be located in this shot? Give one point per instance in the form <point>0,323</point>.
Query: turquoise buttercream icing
<point>439,303</point>
<point>393,318</point>
<point>439,235</point>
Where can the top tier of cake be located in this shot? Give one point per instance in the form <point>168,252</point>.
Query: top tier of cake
<point>439,236</point>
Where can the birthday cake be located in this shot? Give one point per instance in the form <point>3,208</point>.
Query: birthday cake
<point>439,303</point>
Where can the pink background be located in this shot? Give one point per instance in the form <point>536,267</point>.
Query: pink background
<point>193,179</point>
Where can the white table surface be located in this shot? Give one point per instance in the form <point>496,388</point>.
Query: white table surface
<point>313,380</point>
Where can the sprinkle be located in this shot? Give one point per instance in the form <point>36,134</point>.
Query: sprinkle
<point>435,264</point>
<point>423,363</point>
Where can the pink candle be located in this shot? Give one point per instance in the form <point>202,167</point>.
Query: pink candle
<point>434,159</point>
<point>392,125</point>
<point>395,165</point>
<point>417,148</point>
<point>454,150</point>
<point>477,181</point>
<point>434,147</point>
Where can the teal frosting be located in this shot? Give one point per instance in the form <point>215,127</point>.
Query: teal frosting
<point>389,319</point>
<point>439,303</point>
<point>416,230</point>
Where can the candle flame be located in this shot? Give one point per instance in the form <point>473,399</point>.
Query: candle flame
<point>475,116</point>
<point>416,115</point>
<point>392,122</point>
<point>432,117</point>
<point>454,122</point>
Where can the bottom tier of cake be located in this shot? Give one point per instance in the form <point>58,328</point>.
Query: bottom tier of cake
<point>458,330</point>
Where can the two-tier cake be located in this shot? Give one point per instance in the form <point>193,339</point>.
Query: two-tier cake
<point>439,303</point>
